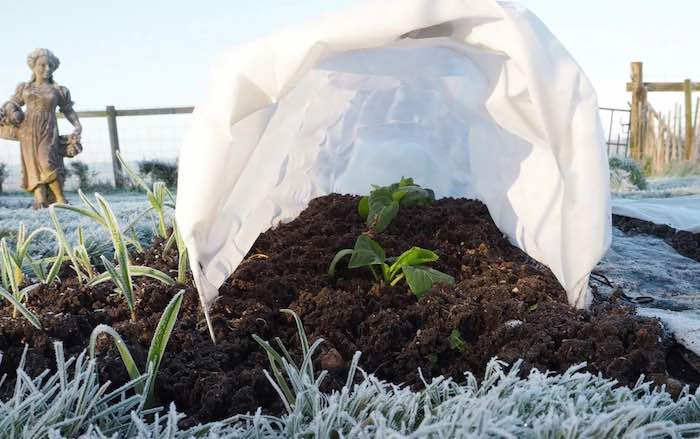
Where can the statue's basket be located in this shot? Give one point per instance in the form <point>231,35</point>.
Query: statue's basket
<point>9,132</point>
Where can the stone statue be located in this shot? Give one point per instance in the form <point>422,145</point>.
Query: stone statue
<point>42,148</point>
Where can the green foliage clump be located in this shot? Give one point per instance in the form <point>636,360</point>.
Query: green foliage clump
<point>636,175</point>
<point>159,170</point>
<point>83,173</point>
<point>381,206</point>
<point>410,265</point>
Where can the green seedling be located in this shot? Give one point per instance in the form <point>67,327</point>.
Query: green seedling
<point>12,268</point>
<point>79,256</point>
<point>122,274</point>
<point>381,206</point>
<point>155,352</point>
<point>159,198</point>
<point>12,277</point>
<point>410,265</point>
<point>456,341</point>
<point>19,307</point>
<point>183,261</point>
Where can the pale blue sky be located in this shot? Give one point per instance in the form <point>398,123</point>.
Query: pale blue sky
<point>132,53</point>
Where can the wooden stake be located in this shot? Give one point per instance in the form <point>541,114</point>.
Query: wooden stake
<point>688,120</point>
<point>638,97</point>
<point>114,144</point>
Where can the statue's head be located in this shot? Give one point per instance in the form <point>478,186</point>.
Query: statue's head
<point>43,63</point>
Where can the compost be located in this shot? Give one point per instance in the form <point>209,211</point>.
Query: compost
<point>503,305</point>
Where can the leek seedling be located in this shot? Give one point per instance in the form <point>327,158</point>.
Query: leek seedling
<point>368,253</point>
<point>121,274</point>
<point>90,210</point>
<point>183,262</point>
<point>13,278</point>
<point>18,306</point>
<point>159,197</point>
<point>155,352</point>
<point>20,254</point>
<point>72,254</point>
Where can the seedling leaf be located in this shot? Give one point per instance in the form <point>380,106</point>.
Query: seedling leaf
<point>421,279</point>
<point>414,256</point>
<point>162,335</point>
<point>366,252</point>
<point>363,207</point>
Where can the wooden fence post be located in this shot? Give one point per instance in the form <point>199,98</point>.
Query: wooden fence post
<point>114,144</point>
<point>689,135</point>
<point>638,99</point>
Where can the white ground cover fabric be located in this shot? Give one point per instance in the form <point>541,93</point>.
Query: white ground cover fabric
<point>472,98</point>
<point>682,213</point>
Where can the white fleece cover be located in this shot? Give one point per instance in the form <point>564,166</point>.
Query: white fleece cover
<point>473,98</point>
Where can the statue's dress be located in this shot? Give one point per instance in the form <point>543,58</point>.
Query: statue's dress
<point>38,133</point>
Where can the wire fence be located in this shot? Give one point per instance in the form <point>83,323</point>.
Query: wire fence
<point>616,126</point>
<point>157,133</point>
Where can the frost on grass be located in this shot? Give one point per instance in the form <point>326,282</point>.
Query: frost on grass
<point>658,187</point>
<point>576,404</point>
<point>16,208</point>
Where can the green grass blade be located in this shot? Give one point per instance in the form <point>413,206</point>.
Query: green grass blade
<point>26,290</point>
<point>10,265</point>
<point>162,335</point>
<point>169,243</point>
<point>83,258</point>
<point>56,266</point>
<point>140,270</point>
<point>81,236</point>
<point>21,308</point>
<point>84,212</point>
<point>64,242</point>
<point>37,268</point>
<point>24,248</point>
<point>21,233</point>
<point>120,250</point>
<point>88,203</point>
<point>133,175</point>
<point>137,219</point>
<point>182,265</point>
<point>127,359</point>
<point>119,282</point>
<point>5,270</point>
<point>100,278</point>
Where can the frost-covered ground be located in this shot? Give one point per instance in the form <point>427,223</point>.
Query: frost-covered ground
<point>16,208</point>
<point>662,187</point>
<point>646,266</point>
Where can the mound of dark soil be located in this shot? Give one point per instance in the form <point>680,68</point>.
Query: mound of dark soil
<point>503,305</point>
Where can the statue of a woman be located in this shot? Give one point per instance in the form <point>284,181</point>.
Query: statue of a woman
<point>42,158</point>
